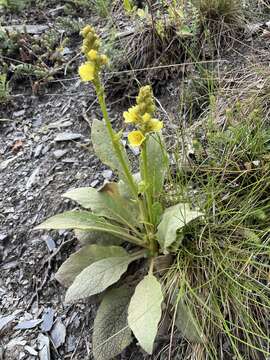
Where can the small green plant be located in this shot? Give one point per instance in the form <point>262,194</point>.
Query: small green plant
<point>128,211</point>
<point>128,6</point>
<point>220,17</point>
<point>101,7</point>
<point>228,11</point>
<point>14,5</point>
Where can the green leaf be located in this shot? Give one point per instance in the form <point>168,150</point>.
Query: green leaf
<point>104,149</point>
<point>157,163</point>
<point>97,277</point>
<point>174,219</point>
<point>186,323</point>
<point>106,202</point>
<point>111,333</point>
<point>84,220</point>
<point>185,31</point>
<point>144,311</point>
<point>86,237</point>
<point>157,211</point>
<point>128,6</point>
<point>83,258</point>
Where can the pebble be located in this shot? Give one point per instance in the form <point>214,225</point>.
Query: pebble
<point>28,324</point>
<point>59,153</point>
<point>38,150</point>
<point>94,183</point>
<point>58,333</point>
<point>47,320</point>
<point>31,350</point>
<point>67,136</point>
<point>107,174</point>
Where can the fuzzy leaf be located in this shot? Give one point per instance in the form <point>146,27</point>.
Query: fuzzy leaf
<point>111,333</point>
<point>97,277</point>
<point>157,163</point>
<point>104,149</point>
<point>82,220</point>
<point>144,311</point>
<point>107,202</point>
<point>174,219</point>
<point>186,323</point>
<point>86,237</point>
<point>86,256</point>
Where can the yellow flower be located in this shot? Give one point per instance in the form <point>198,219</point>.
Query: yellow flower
<point>86,30</point>
<point>92,55</point>
<point>145,100</point>
<point>131,116</point>
<point>146,117</point>
<point>104,59</point>
<point>155,125</point>
<point>136,138</point>
<point>87,71</point>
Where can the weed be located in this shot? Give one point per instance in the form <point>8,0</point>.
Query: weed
<point>101,7</point>
<point>222,269</point>
<point>15,5</point>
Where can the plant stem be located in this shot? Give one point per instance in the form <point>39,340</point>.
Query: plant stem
<point>115,141</point>
<point>146,215</point>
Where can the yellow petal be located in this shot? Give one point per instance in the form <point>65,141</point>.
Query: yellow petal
<point>131,116</point>
<point>155,125</point>
<point>87,72</point>
<point>92,55</point>
<point>146,118</point>
<point>136,138</point>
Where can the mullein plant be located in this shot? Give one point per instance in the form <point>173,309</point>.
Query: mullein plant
<point>127,211</point>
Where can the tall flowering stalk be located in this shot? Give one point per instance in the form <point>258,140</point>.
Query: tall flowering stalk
<point>90,72</point>
<point>140,115</point>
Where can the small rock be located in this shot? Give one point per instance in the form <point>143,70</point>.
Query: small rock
<point>19,113</point>
<point>31,350</point>
<point>44,347</point>
<point>3,237</point>
<point>58,333</point>
<point>107,174</point>
<point>69,160</point>
<point>67,137</point>
<point>94,183</point>
<point>32,179</point>
<point>49,242</point>
<point>5,320</point>
<point>71,343</point>
<point>28,324</point>
<point>18,341</point>
<point>10,265</point>
<point>47,320</point>
<point>59,153</point>
<point>45,149</point>
<point>38,150</point>
<point>21,355</point>
<point>59,124</point>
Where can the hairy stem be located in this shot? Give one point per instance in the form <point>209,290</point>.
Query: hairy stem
<point>115,142</point>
